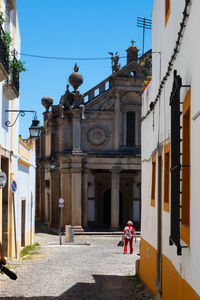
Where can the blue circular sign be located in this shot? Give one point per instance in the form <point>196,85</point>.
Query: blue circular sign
<point>13,186</point>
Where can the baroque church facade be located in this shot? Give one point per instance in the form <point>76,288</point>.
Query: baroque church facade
<point>89,152</point>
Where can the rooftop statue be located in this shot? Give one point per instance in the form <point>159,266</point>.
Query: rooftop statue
<point>73,99</point>
<point>115,61</point>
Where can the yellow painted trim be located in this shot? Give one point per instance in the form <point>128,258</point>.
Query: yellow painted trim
<point>28,236</point>
<point>18,245</point>
<point>24,144</point>
<point>18,220</point>
<point>1,211</point>
<point>147,265</point>
<point>11,223</point>
<point>24,162</point>
<point>166,173</point>
<point>167,13</point>
<point>186,102</point>
<point>185,233</point>
<point>24,151</point>
<point>185,211</point>
<point>153,181</point>
<point>174,287</point>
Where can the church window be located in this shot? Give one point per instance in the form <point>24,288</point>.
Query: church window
<point>130,125</point>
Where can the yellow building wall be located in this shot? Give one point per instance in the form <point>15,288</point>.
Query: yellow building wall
<point>174,287</point>
<point>24,151</point>
<point>147,266</point>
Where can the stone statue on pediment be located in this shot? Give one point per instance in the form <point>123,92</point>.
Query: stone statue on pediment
<point>66,99</point>
<point>115,61</point>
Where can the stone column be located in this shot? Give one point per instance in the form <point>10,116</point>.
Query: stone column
<point>42,193</point>
<point>115,179</point>
<point>76,191</point>
<point>85,198</point>
<point>55,195</point>
<point>76,130</point>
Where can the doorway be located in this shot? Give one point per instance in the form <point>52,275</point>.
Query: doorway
<point>107,209</point>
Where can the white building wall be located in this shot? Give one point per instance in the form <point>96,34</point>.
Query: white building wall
<point>23,181</point>
<point>32,188</point>
<point>187,66</point>
<point>22,172</point>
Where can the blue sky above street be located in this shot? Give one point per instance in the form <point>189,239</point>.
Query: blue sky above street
<point>78,28</point>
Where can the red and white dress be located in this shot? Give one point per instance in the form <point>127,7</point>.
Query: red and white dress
<point>129,232</point>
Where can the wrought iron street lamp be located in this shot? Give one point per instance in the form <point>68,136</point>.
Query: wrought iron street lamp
<point>35,130</point>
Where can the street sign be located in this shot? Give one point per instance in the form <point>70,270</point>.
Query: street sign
<point>13,186</point>
<point>3,179</point>
<point>61,202</point>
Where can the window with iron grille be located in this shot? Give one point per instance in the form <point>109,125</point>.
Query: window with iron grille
<point>175,163</point>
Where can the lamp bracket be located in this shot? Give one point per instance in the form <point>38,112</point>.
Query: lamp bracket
<point>20,113</point>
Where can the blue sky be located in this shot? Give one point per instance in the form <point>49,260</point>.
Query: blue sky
<point>81,28</point>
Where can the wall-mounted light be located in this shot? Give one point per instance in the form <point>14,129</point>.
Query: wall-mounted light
<point>52,164</point>
<point>35,130</point>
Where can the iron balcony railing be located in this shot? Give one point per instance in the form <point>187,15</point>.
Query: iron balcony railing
<point>4,52</point>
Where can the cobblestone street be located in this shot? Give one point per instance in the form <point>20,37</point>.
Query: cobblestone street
<point>76,272</point>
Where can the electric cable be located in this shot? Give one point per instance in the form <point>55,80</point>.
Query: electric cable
<point>65,58</point>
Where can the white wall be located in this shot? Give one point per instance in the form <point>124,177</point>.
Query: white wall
<point>187,66</point>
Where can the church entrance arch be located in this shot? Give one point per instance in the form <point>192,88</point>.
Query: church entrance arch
<point>107,208</point>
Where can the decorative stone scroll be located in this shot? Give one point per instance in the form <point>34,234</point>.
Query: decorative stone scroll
<point>97,136</point>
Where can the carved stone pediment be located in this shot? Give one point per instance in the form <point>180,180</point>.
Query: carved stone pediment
<point>103,103</point>
<point>133,69</point>
<point>107,104</point>
<point>131,98</point>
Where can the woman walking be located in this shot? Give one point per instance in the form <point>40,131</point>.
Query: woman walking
<point>129,233</point>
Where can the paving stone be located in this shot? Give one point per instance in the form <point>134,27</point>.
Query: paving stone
<point>98,270</point>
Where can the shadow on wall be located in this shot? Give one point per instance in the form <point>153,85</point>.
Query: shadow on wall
<point>104,287</point>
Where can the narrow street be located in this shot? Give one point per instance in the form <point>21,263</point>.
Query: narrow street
<point>96,270</point>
